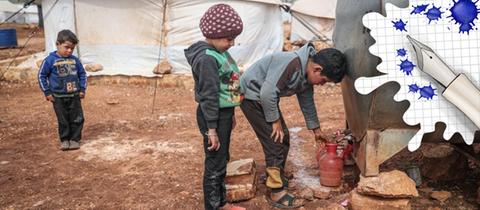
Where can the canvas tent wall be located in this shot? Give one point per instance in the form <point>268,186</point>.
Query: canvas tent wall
<point>130,37</point>
<point>27,15</point>
<point>319,14</point>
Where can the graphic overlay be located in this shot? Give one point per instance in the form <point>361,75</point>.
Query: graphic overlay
<point>449,28</point>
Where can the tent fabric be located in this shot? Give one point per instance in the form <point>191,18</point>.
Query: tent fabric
<point>318,13</point>
<point>27,15</point>
<point>57,15</point>
<point>323,25</point>
<point>131,39</point>
<point>316,8</point>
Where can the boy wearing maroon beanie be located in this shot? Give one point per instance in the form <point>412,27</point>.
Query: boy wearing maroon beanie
<point>217,92</point>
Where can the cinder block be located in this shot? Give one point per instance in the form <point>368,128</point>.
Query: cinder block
<point>241,180</point>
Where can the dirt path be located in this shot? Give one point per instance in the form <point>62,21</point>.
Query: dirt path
<point>130,158</point>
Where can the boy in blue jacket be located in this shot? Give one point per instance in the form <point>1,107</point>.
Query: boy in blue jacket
<point>63,80</point>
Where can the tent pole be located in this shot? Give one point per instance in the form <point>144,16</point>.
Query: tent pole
<point>162,36</point>
<point>76,27</point>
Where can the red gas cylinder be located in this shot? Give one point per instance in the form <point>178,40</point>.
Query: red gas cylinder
<point>331,165</point>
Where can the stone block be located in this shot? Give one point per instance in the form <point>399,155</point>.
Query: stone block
<point>392,184</point>
<point>365,202</point>
<point>240,180</point>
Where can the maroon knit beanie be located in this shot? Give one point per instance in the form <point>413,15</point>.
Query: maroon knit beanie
<point>221,21</point>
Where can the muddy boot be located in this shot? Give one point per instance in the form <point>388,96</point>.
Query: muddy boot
<point>74,145</point>
<point>285,179</point>
<point>64,145</point>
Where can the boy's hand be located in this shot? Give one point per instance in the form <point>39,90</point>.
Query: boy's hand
<point>81,94</point>
<point>213,142</point>
<point>277,131</point>
<point>319,135</point>
<point>50,98</point>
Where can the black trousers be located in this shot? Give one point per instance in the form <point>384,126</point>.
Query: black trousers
<point>69,117</point>
<point>214,191</point>
<point>275,152</point>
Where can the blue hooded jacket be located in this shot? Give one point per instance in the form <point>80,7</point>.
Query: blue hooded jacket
<point>62,75</point>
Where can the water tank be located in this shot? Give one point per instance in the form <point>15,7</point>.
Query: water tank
<point>8,37</point>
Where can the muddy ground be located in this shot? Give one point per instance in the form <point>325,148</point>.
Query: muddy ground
<point>141,154</point>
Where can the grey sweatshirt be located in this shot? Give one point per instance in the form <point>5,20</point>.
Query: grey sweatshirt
<point>279,75</point>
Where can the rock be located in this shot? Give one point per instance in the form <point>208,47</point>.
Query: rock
<point>240,180</point>
<point>319,45</point>
<point>365,202</point>
<point>93,67</point>
<point>393,184</point>
<point>38,63</point>
<point>437,150</point>
<point>112,101</point>
<point>29,26</point>
<point>4,162</point>
<point>441,196</point>
<point>322,192</point>
<point>453,167</point>
<point>20,74</point>
<point>426,190</point>
<point>434,208</point>
<point>332,206</point>
<point>163,68</point>
<point>425,202</point>
<point>240,167</point>
<point>287,45</point>
<point>306,194</point>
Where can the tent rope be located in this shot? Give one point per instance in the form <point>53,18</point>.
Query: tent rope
<point>30,36</point>
<point>159,53</point>
<point>305,23</point>
<point>27,4</point>
<point>21,49</point>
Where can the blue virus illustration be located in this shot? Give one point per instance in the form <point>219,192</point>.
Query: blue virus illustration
<point>413,88</point>
<point>433,13</point>
<point>464,12</point>
<point>400,25</point>
<point>401,52</point>
<point>407,66</point>
<point>419,9</point>
<point>427,92</point>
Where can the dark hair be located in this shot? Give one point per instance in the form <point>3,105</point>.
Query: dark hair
<point>333,62</point>
<point>66,35</point>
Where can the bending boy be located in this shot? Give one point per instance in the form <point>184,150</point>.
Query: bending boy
<point>279,75</point>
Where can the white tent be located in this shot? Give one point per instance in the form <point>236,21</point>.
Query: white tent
<point>130,37</point>
<point>28,15</point>
<point>319,14</point>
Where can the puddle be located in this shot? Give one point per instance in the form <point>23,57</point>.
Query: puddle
<point>304,175</point>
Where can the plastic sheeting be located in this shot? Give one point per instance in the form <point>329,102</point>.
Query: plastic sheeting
<point>27,15</point>
<point>125,37</point>
<point>320,14</point>
<point>57,15</point>
<point>317,8</point>
<point>323,25</point>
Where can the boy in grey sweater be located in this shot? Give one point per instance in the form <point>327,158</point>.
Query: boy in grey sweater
<point>279,75</point>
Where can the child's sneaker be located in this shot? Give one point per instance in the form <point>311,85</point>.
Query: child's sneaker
<point>64,145</point>
<point>74,145</point>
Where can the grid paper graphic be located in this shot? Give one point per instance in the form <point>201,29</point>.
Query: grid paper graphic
<point>459,50</point>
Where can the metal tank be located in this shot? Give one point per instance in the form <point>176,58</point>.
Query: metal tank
<point>375,119</point>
